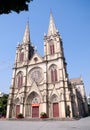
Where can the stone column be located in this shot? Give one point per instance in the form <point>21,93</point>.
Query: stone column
<point>62,111</point>
<point>8,111</point>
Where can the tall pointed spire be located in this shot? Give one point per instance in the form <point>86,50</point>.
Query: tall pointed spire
<point>26,37</point>
<point>52,28</point>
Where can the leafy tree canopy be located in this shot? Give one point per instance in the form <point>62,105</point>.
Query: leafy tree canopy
<point>3,104</point>
<point>7,6</point>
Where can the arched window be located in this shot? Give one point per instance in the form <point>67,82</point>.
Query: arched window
<point>53,74</point>
<point>21,56</point>
<point>52,49</point>
<point>19,80</point>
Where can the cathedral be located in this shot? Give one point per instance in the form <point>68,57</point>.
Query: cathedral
<point>41,84</point>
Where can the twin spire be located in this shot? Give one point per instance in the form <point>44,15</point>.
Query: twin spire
<point>51,30</point>
<point>26,37</point>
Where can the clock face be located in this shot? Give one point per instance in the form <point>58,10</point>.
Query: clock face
<point>36,75</point>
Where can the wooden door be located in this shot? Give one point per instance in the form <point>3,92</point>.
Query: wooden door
<point>35,111</point>
<point>55,110</point>
<point>17,109</point>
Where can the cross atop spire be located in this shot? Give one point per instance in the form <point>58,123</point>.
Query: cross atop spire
<point>26,37</point>
<point>52,28</point>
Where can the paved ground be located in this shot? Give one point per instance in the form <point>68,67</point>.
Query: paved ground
<point>82,124</point>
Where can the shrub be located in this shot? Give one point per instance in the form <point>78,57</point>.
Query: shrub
<point>20,115</point>
<point>43,115</point>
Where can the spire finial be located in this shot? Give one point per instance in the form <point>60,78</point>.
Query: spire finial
<point>52,28</point>
<point>26,37</point>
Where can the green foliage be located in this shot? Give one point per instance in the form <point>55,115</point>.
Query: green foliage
<point>3,104</point>
<point>20,115</point>
<point>43,115</point>
<point>7,6</point>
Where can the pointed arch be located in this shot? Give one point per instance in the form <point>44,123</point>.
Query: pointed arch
<point>52,51</point>
<point>19,80</point>
<point>17,101</point>
<point>32,104</point>
<point>16,107</point>
<point>51,47</point>
<point>21,56</point>
<point>55,105</point>
<point>54,98</point>
<point>33,98</point>
<point>53,73</point>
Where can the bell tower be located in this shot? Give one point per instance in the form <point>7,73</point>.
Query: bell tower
<point>52,42</point>
<point>24,53</point>
<point>24,50</point>
<point>57,77</point>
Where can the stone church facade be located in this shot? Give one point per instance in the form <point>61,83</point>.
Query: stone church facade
<point>41,84</point>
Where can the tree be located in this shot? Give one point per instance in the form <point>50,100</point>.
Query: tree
<point>7,6</point>
<point>3,104</point>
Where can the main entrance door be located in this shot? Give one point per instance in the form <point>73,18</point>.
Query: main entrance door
<point>55,110</point>
<point>35,111</point>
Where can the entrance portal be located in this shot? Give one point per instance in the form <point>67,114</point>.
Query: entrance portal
<point>33,101</point>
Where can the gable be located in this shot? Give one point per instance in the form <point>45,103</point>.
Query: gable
<point>36,59</point>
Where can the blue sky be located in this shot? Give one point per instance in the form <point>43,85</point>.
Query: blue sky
<point>72,19</point>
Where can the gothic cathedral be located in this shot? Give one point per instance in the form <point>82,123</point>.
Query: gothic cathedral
<point>41,84</point>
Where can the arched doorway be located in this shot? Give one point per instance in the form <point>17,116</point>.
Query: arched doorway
<point>35,107</point>
<point>55,105</point>
<point>34,103</point>
<point>17,102</point>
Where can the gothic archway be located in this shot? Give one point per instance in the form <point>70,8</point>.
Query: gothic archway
<point>53,77</point>
<point>32,105</point>
<point>19,80</point>
<point>17,107</point>
<point>55,105</point>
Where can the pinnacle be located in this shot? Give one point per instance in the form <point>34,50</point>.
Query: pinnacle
<point>26,37</point>
<point>52,28</point>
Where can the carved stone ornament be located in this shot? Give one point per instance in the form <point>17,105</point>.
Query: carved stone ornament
<point>36,75</point>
